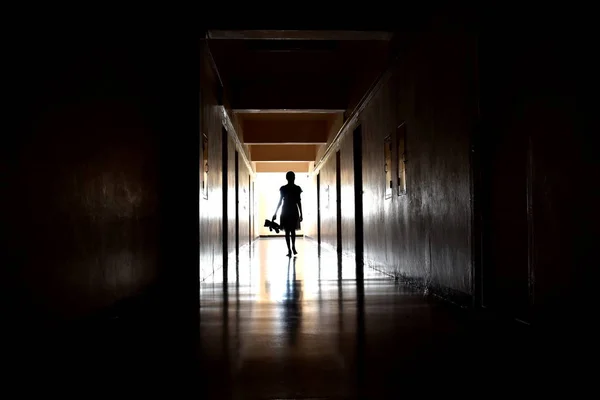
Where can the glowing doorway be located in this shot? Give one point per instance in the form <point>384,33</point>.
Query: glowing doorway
<point>267,190</point>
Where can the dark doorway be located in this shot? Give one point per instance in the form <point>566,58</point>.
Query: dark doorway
<point>237,204</point>
<point>253,199</point>
<point>225,187</point>
<point>319,213</point>
<point>250,206</point>
<point>358,200</point>
<point>338,201</point>
<point>505,265</point>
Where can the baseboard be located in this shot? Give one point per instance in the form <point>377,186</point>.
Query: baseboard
<point>328,247</point>
<point>453,296</point>
<point>376,267</point>
<point>278,236</point>
<point>244,247</point>
<point>216,268</point>
<point>232,258</point>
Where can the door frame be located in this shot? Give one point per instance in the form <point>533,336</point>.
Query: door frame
<point>224,188</point>
<point>237,204</point>
<point>250,222</point>
<point>319,212</point>
<point>358,200</point>
<point>338,200</point>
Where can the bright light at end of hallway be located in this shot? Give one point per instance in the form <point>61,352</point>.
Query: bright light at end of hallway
<point>267,190</point>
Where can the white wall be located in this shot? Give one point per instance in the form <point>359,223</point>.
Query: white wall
<point>267,193</point>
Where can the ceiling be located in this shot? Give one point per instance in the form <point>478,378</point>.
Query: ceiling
<point>254,59</point>
<point>290,89</point>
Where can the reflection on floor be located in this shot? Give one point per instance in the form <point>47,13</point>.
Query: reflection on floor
<point>307,328</point>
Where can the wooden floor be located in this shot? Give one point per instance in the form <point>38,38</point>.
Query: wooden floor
<point>279,328</point>
<point>307,328</point>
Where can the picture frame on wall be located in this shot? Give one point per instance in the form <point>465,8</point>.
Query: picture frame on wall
<point>205,168</point>
<point>387,168</point>
<point>402,159</point>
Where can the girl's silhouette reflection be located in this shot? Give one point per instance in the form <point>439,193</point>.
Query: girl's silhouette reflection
<point>291,303</point>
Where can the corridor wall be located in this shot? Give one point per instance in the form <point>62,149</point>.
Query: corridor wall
<point>424,234</point>
<point>217,237</point>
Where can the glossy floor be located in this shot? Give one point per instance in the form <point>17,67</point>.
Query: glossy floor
<point>307,327</point>
<point>279,328</point>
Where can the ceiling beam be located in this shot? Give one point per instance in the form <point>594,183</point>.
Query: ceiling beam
<point>298,35</point>
<point>282,167</point>
<point>289,111</point>
<point>281,93</point>
<point>288,131</point>
<point>269,153</point>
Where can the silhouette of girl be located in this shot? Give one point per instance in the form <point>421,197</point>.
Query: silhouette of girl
<point>291,213</point>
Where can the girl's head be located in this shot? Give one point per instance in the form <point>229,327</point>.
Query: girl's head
<point>290,176</point>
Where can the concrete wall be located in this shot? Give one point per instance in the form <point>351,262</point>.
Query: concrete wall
<point>244,204</point>
<point>99,223</point>
<point>228,186</point>
<point>425,235</point>
<point>539,206</point>
<point>333,127</point>
<point>309,204</point>
<point>499,209</point>
<point>213,231</point>
<point>89,166</point>
<point>328,204</point>
<point>211,208</point>
<point>347,196</point>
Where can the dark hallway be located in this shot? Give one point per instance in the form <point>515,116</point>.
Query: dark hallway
<point>449,205</point>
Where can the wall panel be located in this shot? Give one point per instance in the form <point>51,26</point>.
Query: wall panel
<point>309,207</point>
<point>423,235</point>
<point>347,198</point>
<point>328,204</point>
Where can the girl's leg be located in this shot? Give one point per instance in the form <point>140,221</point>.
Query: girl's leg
<point>293,233</point>
<point>287,241</point>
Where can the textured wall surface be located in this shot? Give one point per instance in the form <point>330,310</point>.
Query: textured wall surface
<point>89,206</point>
<point>531,171</point>
<point>328,204</point>
<point>537,196</point>
<point>381,218</point>
<point>244,204</point>
<point>424,235</point>
<point>347,195</point>
<point>309,207</point>
<point>333,128</point>
<point>88,196</point>
<point>229,186</point>
<point>211,208</point>
<point>213,232</point>
<point>245,179</point>
<point>101,232</point>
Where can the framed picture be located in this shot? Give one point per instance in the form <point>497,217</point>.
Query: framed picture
<point>387,151</point>
<point>401,151</point>
<point>205,167</point>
